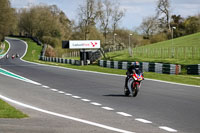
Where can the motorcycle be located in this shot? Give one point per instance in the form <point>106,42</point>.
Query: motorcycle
<point>134,83</point>
<point>7,56</point>
<point>17,55</point>
<point>13,56</point>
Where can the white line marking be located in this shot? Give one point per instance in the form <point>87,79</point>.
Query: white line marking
<point>45,86</point>
<point>96,104</point>
<point>86,100</point>
<point>15,76</point>
<point>65,116</point>
<point>167,129</point>
<point>168,82</point>
<point>124,114</point>
<point>143,120</point>
<point>2,56</point>
<point>107,108</point>
<point>61,92</point>
<point>77,97</point>
<point>67,94</point>
<point>54,89</point>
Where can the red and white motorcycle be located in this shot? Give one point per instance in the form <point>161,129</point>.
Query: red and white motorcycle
<point>134,83</point>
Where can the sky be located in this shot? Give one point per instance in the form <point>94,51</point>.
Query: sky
<point>135,10</point>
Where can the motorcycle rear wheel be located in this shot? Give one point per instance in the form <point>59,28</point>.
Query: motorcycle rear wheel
<point>126,92</point>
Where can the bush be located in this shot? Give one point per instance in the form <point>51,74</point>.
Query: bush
<point>51,41</point>
<point>158,38</point>
<point>50,52</point>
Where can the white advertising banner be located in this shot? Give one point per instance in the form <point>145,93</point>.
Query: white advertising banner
<point>84,44</point>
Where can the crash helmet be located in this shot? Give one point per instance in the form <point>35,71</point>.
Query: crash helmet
<point>136,64</point>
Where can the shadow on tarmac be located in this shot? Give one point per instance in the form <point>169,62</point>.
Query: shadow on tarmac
<point>115,95</point>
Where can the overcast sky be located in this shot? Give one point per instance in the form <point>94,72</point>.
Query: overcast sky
<point>136,10</point>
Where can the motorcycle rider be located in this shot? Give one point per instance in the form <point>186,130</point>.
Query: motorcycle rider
<point>7,56</point>
<point>134,67</point>
<point>13,56</point>
<point>17,55</point>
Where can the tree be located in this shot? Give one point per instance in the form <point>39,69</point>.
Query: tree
<point>87,17</point>
<point>192,25</point>
<point>7,18</point>
<point>66,25</point>
<point>117,15</point>
<point>149,26</point>
<point>105,14</point>
<point>27,22</point>
<point>47,23</point>
<point>122,38</point>
<point>163,11</point>
<point>178,22</point>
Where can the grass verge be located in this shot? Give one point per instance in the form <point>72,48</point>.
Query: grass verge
<point>7,111</point>
<point>6,48</point>
<point>33,51</point>
<point>185,79</point>
<point>124,56</point>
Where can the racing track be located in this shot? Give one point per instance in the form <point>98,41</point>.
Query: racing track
<point>161,104</point>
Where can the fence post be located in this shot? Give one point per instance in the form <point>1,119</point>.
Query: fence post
<point>184,53</point>
<point>198,53</point>
<point>192,52</point>
<point>168,52</point>
<point>178,68</point>
<point>175,55</point>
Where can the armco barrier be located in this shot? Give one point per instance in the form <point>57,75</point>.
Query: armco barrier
<point>145,66</point>
<point>60,60</point>
<point>193,69</point>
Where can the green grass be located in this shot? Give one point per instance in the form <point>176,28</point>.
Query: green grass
<point>74,58</point>
<point>186,79</point>
<point>185,51</point>
<point>7,111</point>
<point>6,48</point>
<point>1,46</point>
<point>33,51</point>
<point>189,40</point>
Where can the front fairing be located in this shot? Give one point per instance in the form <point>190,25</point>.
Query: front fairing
<point>137,77</point>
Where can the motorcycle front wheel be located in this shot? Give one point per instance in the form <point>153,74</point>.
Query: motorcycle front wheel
<point>135,90</point>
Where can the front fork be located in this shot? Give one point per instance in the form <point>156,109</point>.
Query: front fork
<point>136,83</point>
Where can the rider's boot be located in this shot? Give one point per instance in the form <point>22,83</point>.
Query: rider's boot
<point>126,86</point>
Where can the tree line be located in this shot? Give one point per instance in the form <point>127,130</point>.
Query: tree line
<point>160,26</point>
<point>7,17</point>
<point>97,19</point>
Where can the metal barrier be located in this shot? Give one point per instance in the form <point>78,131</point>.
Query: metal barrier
<point>193,69</point>
<point>60,60</point>
<point>145,66</point>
